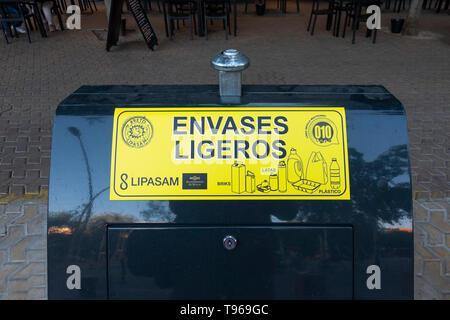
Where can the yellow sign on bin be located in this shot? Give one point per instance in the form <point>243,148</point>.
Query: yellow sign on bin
<point>229,153</point>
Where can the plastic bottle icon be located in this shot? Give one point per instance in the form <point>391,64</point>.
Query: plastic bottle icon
<point>295,167</point>
<point>282,176</point>
<point>237,177</point>
<point>273,182</point>
<point>250,182</point>
<point>335,174</point>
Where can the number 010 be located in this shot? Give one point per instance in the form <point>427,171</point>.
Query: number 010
<point>323,132</point>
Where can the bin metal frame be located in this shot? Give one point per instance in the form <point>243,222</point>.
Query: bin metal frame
<point>379,211</point>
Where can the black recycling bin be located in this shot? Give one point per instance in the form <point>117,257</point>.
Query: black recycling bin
<point>397,25</point>
<point>230,192</point>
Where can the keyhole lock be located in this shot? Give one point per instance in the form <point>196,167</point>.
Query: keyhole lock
<point>229,242</point>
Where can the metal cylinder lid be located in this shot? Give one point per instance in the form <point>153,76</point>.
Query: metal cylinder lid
<point>230,60</point>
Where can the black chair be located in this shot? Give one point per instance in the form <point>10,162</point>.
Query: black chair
<point>399,5</point>
<point>316,10</point>
<point>217,9</point>
<point>4,25</point>
<point>63,5</point>
<point>355,15</point>
<point>440,3</point>
<point>86,4</point>
<point>148,5</point>
<point>282,5</point>
<point>7,18</point>
<point>56,10</point>
<point>179,10</point>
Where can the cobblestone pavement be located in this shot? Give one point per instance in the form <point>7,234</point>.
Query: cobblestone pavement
<point>35,77</point>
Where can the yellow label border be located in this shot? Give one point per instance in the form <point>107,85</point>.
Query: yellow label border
<point>232,197</point>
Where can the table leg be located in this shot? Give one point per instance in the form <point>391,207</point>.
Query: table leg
<point>39,20</point>
<point>439,6</point>
<point>58,14</point>
<point>165,18</point>
<point>201,22</point>
<point>330,16</point>
<point>424,4</point>
<point>235,16</point>
<point>339,12</point>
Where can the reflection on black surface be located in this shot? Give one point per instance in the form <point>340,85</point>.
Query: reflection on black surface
<point>371,202</point>
<point>80,210</point>
<point>267,263</point>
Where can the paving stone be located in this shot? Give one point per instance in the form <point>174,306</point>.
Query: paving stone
<point>420,212</point>
<point>58,65</point>
<point>17,285</point>
<point>8,269</point>
<point>36,255</point>
<point>432,270</point>
<point>37,281</point>
<point>29,212</point>
<point>438,219</point>
<point>16,295</point>
<point>30,269</point>
<point>36,225</point>
<point>17,251</point>
<point>13,235</point>
<point>36,294</point>
<point>444,255</point>
<point>424,291</point>
<point>30,101</point>
<point>2,258</point>
<point>434,235</point>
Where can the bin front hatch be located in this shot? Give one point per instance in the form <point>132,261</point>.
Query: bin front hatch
<point>239,262</point>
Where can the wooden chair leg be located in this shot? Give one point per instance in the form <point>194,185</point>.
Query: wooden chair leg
<point>338,28</point>
<point>166,25</point>
<point>56,10</point>
<point>195,23</point>
<point>334,24</point>
<point>30,25</point>
<point>28,32</point>
<point>225,20</point>
<point>439,6</point>
<point>310,19</point>
<point>23,14</point>
<point>4,32</point>
<point>191,26</point>
<point>354,29</point>
<point>314,24</point>
<point>159,7</point>
<point>345,24</point>
<point>205,20</point>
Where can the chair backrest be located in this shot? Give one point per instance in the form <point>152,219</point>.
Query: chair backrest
<point>316,4</point>
<point>216,1</point>
<point>5,10</point>
<point>366,3</point>
<point>179,1</point>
